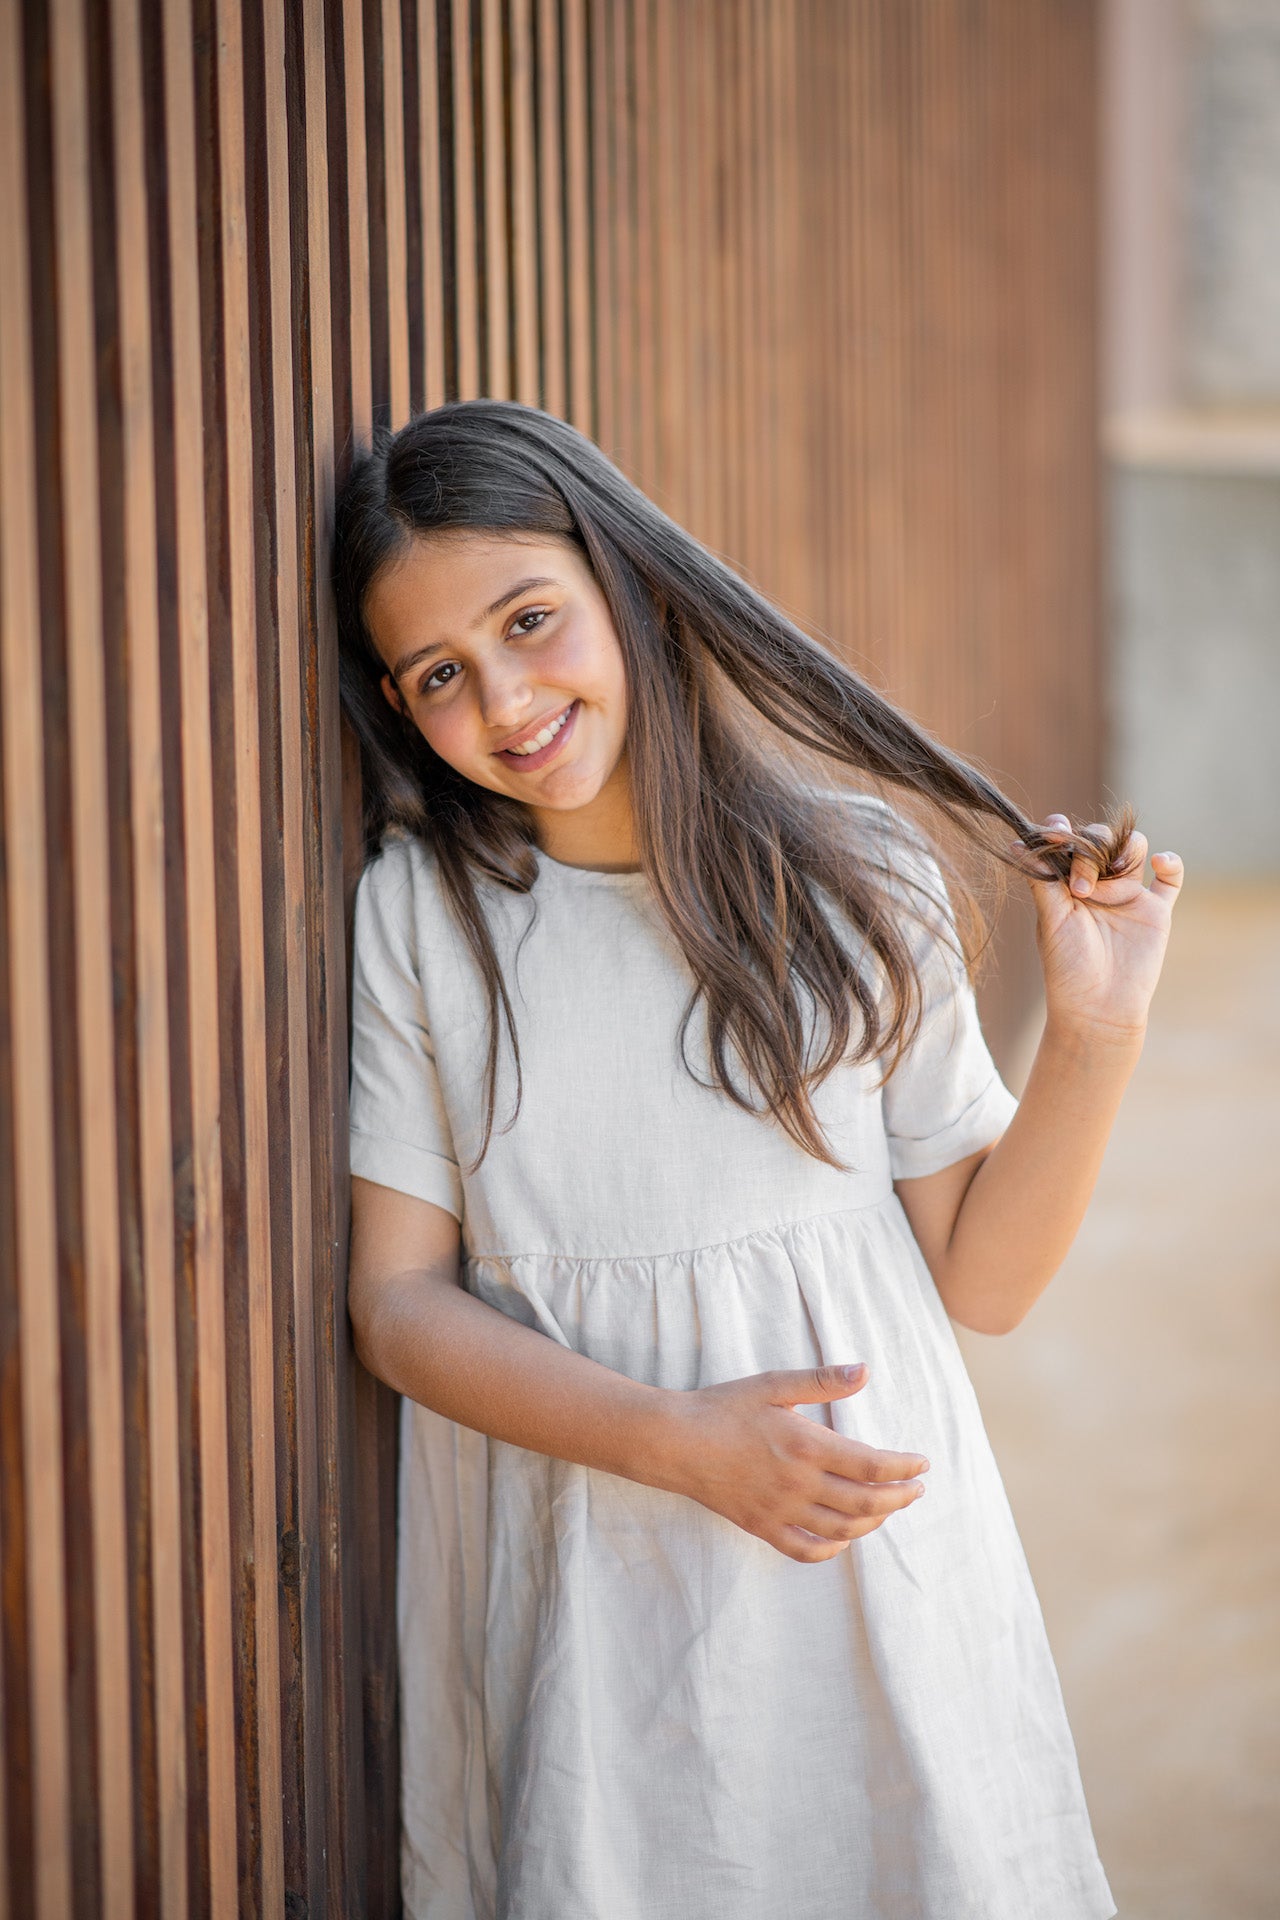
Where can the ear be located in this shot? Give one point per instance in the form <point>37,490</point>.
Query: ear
<point>393,696</point>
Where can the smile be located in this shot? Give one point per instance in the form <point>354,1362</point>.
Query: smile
<point>543,745</point>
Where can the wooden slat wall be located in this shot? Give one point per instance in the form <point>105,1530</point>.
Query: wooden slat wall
<point>820,275</point>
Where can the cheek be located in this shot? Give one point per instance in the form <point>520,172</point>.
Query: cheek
<point>453,733</point>
<point>584,660</point>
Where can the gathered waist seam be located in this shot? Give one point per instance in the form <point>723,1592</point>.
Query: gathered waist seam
<point>775,1232</point>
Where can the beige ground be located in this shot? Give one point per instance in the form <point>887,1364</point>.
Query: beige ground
<point>1136,1417</point>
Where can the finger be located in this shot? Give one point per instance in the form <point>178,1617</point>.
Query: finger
<point>826,1524</point>
<point>1167,870</point>
<point>1085,863</point>
<point>1122,881</point>
<point>809,1386</point>
<point>853,1460</point>
<point>798,1544</point>
<point>847,1501</point>
<point>1033,860</point>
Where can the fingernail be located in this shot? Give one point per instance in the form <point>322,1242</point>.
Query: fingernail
<point>851,1373</point>
<point>1080,885</point>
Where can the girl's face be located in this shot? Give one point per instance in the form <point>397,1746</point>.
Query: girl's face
<point>502,652</point>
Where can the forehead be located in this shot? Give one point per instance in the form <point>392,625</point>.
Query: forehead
<point>441,584</point>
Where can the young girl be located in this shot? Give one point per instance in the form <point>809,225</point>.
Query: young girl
<point>676,1150</point>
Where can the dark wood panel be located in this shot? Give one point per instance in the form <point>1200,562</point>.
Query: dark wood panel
<point>820,277</point>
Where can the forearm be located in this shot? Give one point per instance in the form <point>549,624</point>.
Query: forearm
<point>1024,1206</point>
<point>441,1346</point>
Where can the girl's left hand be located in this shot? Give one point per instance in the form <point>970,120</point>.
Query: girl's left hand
<point>1102,941</point>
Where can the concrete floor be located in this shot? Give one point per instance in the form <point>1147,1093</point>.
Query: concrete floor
<point>1136,1418</point>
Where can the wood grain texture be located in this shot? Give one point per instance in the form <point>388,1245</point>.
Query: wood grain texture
<point>37,1782</point>
<point>820,276</point>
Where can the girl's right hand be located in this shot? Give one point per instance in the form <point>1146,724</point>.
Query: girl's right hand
<point>740,1449</point>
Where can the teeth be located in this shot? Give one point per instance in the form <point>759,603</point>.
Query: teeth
<point>542,739</point>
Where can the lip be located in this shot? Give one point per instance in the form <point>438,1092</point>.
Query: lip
<point>530,762</point>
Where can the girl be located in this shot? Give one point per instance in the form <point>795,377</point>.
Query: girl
<point>676,1149</point>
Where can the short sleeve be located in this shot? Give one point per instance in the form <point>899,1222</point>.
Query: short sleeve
<point>945,1099</point>
<point>399,1128</point>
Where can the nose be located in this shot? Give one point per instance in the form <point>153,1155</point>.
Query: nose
<point>505,694</point>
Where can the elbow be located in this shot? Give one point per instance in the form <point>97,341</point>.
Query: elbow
<point>367,1333</point>
<point>989,1323</point>
<point>991,1320</point>
<point>991,1317</point>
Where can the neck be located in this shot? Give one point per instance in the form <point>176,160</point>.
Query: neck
<point>600,835</point>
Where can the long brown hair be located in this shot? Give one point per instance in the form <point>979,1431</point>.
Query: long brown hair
<point>729,704</point>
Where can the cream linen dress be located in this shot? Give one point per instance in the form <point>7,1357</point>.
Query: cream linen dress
<point>615,1704</point>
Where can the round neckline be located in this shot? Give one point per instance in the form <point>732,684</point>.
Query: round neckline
<point>547,863</point>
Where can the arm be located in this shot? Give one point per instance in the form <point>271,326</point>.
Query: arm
<point>418,1329</point>
<point>737,1448</point>
<point>995,1227</point>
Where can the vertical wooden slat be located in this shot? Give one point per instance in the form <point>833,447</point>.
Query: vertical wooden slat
<point>670,190</point>
<point>524,204</point>
<point>342,1527</point>
<point>648,266</point>
<point>603,279</point>
<point>92,879</point>
<point>497,299</point>
<point>751,373</point>
<point>429,193</point>
<point>466,264</point>
<point>551,208</point>
<point>394,177</point>
<point>616,113</point>
<point>693,187</point>
<point>578,215</point>
<point>604,282</point>
<point>39,1506</point>
<point>213,1865</point>
<point>236,426</point>
<point>303,1720</point>
<point>357,216</point>
<point>149,849</point>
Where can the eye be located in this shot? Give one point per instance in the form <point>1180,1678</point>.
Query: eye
<point>530,613</point>
<point>433,680</point>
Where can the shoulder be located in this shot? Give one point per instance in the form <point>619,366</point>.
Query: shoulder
<point>396,870</point>
<point>397,896</point>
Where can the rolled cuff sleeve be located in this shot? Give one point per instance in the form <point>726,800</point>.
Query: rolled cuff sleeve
<point>394,1163</point>
<point>982,1122</point>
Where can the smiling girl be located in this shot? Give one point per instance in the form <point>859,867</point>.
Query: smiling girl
<point>676,1149</point>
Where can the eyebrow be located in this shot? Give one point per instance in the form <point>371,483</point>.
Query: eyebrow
<point>420,654</point>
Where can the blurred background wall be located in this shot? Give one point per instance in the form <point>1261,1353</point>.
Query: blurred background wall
<point>1192,406</point>
<point>1119,1408</point>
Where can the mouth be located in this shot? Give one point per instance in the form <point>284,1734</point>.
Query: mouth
<point>543,745</point>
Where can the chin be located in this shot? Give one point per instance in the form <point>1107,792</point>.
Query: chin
<point>575,790</point>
